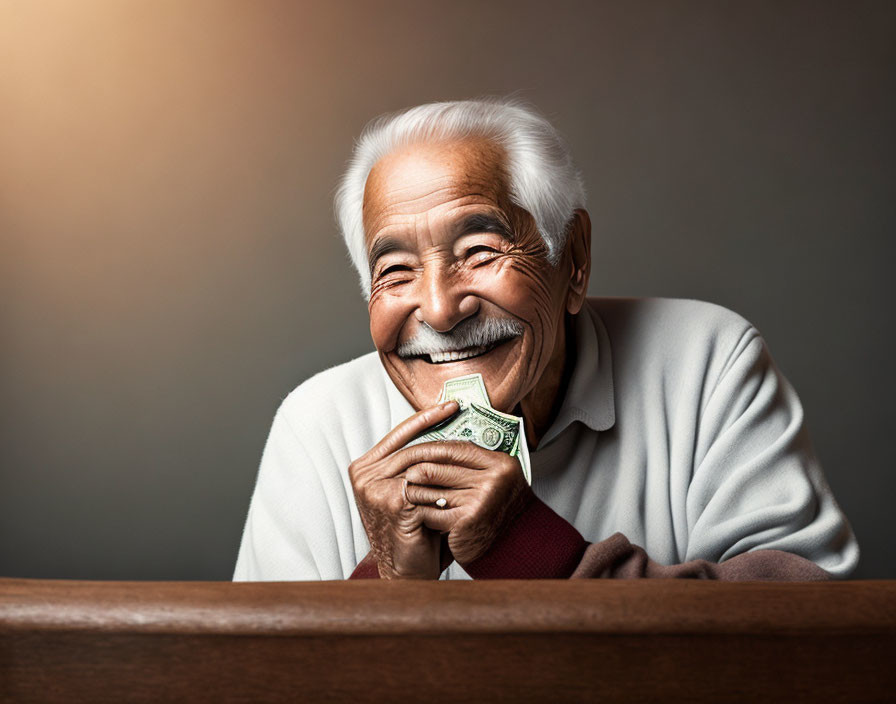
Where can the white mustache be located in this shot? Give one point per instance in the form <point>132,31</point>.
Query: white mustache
<point>472,332</point>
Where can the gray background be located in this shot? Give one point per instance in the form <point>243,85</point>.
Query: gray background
<point>169,267</point>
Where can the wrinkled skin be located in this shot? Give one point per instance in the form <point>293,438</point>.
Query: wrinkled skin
<point>484,491</point>
<point>404,548</point>
<point>430,266</point>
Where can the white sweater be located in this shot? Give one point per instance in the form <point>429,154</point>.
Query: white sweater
<point>677,430</point>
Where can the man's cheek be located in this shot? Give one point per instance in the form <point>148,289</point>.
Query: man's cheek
<point>385,325</point>
<point>535,290</point>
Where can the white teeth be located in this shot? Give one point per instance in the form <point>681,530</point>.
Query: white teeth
<point>457,355</point>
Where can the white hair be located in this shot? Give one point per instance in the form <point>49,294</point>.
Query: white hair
<point>543,178</point>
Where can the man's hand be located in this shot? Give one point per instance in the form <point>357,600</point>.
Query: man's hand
<point>484,492</point>
<point>404,548</point>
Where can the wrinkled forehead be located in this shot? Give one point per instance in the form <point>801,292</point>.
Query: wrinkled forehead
<point>426,176</point>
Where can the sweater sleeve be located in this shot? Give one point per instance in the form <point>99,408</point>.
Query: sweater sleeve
<point>756,482</point>
<point>290,531</point>
<point>540,544</point>
<point>366,569</point>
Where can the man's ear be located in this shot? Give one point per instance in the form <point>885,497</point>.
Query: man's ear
<point>578,245</point>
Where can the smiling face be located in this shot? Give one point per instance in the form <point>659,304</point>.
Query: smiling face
<point>449,253</point>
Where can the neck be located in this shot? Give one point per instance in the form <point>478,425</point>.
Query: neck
<point>541,405</point>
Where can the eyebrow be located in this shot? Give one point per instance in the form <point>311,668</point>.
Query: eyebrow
<point>382,247</point>
<point>485,222</point>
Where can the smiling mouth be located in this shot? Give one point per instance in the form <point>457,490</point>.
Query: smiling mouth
<point>460,355</point>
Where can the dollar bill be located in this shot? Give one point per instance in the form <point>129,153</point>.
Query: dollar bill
<point>466,390</point>
<point>479,423</point>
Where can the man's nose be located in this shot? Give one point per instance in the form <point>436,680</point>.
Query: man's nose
<point>444,301</point>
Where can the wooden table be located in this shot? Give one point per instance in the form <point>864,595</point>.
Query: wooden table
<point>650,640</point>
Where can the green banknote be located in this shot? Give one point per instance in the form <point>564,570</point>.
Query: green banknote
<point>479,423</point>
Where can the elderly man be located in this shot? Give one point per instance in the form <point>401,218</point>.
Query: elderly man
<point>663,440</point>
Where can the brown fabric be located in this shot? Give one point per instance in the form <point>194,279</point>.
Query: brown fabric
<point>617,558</point>
<point>539,544</point>
<point>366,568</point>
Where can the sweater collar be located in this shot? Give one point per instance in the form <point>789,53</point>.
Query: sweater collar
<point>589,393</point>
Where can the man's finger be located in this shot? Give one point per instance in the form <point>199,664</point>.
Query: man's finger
<point>456,452</point>
<point>434,496</point>
<point>405,431</point>
<point>440,519</point>
<point>432,474</point>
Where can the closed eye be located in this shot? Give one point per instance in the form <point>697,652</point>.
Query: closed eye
<point>479,248</point>
<point>395,268</point>
<point>480,254</point>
